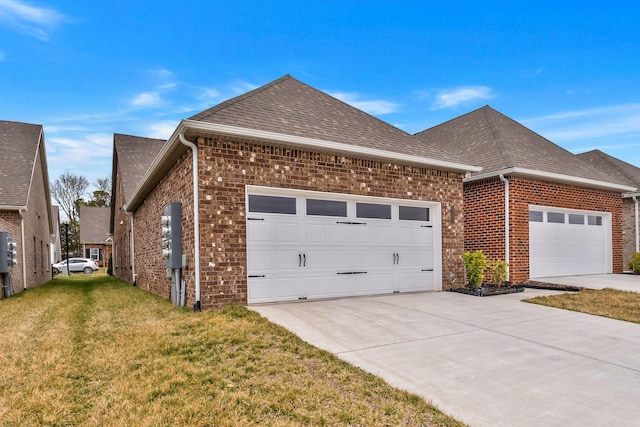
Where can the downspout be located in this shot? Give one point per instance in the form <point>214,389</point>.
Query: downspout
<point>133,248</point>
<point>635,201</point>
<point>24,259</point>
<point>196,217</point>
<point>506,221</point>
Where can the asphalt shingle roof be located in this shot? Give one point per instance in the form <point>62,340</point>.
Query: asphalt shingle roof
<point>496,142</point>
<point>620,170</point>
<point>94,224</point>
<point>18,150</point>
<point>290,107</point>
<point>134,156</point>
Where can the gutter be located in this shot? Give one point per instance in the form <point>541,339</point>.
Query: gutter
<point>24,259</point>
<point>635,201</point>
<point>196,217</point>
<point>506,221</point>
<point>552,176</point>
<point>133,248</point>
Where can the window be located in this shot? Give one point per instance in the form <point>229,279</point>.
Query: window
<point>576,219</point>
<point>555,217</point>
<point>372,210</point>
<point>272,204</point>
<point>594,220</point>
<point>94,254</point>
<point>535,216</point>
<point>326,207</point>
<point>413,213</point>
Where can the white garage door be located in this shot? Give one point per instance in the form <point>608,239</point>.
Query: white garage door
<point>567,242</point>
<point>307,245</point>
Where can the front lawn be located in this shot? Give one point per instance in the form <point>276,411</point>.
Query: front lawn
<point>621,305</point>
<point>93,350</point>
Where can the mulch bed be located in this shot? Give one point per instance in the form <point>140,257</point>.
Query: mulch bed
<point>550,286</point>
<point>489,290</point>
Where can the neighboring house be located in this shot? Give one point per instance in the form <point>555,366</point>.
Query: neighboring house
<point>132,158</point>
<point>95,238</point>
<point>25,203</point>
<point>630,175</point>
<point>298,196</point>
<point>56,241</point>
<point>534,204</point>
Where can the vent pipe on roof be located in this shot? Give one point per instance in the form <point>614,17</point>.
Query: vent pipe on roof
<point>196,217</point>
<point>635,201</point>
<point>506,221</point>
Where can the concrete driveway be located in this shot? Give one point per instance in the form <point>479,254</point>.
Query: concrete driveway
<point>493,361</point>
<point>623,282</point>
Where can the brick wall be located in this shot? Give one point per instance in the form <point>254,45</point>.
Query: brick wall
<point>227,165</point>
<point>628,231</point>
<point>10,222</point>
<point>484,216</point>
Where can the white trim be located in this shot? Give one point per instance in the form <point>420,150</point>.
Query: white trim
<point>304,142</point>
<point>506,222</point>
<point>551,176</point>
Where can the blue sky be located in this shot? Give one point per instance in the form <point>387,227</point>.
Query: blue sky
<point>86,70</point>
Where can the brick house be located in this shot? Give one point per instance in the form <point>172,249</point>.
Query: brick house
<point>95,238</point>
<point>132,157</point>
<point>534,204</point>
<point>630,175</point>
<point>298,196</point>
<point>25,203</point>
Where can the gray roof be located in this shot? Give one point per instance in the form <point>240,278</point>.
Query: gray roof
<point>19,144</point>
<point>134,156</point>
<point>620,170</point>
<point>496,142</point>
<point>288,106</point>
<point>94,224</point>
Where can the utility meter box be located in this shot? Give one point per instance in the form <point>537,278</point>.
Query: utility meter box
<point>172,235</point>
<point>8,254</point>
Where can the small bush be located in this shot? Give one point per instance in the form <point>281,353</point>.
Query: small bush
<point>497,272</point>
<point>474,264</point>
<point>110,266</point>
<point>634,263</point>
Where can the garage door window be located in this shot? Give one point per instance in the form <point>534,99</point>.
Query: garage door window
<point>535,216</point>
<point>413,213</point>
<point>555,217</point>
<point>373,210</point>
<point>326,208</point>
<point>576,219</point>
<point>595,220</point>
<point>272,204</point>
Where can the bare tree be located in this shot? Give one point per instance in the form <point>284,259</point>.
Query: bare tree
<point>68,190</point>
<point>102,196</point>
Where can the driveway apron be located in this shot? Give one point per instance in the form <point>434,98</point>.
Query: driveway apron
<point>493,361</point>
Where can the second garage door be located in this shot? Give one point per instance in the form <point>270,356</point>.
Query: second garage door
<point>307,245</point>
<point>568,242</point>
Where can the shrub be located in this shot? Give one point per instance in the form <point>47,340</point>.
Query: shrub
<point>634,263</point>
<point>474,264</point>
<point>110,266</point>
<point>497,272</point>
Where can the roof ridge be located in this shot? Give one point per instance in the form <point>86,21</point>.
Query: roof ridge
<point>451,119</point>
<point>242,97</point>
<point>499,136</point>
<point>611,160</point>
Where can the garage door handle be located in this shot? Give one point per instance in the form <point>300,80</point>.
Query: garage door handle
<point>256,276</point>
<point>304,260</point>
<point>427,269</point>
<point>299,260</point>
<point>397,258</point>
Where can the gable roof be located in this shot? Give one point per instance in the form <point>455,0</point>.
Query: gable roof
<point>133,155</point>
<point>94,224</point>
<point>501,145</point>
<point>287,112</point>
<point>19,145</point>
<point>618,169</point>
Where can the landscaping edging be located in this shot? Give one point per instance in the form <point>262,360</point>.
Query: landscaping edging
<point>551,286</point>
<point>487,290</point>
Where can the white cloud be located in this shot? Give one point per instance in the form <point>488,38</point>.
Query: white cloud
<point>147,100</point>
<point>161,130</point>
<point>35,21</point>
<point>453,97</point>
<point>373,106</point>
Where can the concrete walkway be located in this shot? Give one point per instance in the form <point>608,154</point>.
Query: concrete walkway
<point>623,282</point>
<point>493,361</point>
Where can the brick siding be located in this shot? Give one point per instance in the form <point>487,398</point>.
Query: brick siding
<point>628,230</point>
<point>227,165</point>
<point>484,216</point>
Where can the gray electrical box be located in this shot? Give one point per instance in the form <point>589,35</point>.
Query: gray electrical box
<point>172,235</point>
<point>8,255</point>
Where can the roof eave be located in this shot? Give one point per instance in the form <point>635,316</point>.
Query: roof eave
<point>552,176</point>
<point>12,208</point>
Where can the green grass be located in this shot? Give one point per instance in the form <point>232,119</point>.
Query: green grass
<point>92,350</point>
<point>615,304</point>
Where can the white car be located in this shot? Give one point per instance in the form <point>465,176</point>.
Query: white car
<point>77,265</point>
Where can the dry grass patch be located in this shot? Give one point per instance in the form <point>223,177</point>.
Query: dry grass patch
<point>96,351</point>
<point>620,305</point>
